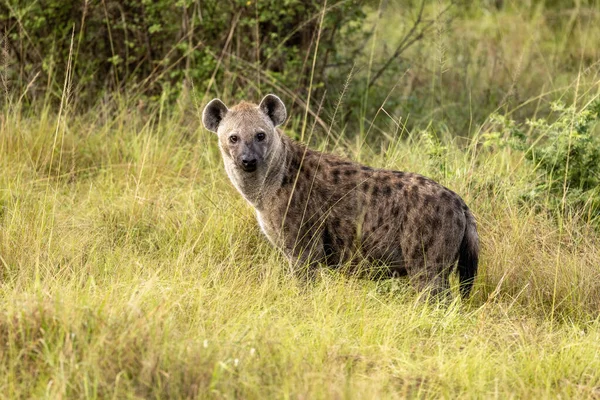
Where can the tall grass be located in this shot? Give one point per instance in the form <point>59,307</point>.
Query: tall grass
<point>132,269</point>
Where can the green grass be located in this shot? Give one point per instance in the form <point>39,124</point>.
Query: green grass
<point>132,269</point>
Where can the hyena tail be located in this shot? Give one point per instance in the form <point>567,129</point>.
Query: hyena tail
<point>468,256</point>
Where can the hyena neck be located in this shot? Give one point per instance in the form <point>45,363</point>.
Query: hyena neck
<point>260,188</point>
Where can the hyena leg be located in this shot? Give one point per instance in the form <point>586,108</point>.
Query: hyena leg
<point>431,280</point>
<point>303,270</point>
<point>304,259</point>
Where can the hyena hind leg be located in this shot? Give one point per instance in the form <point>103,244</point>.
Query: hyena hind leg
<point>431,282</point>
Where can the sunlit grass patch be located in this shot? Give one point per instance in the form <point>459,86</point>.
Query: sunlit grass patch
<point>150,278</point>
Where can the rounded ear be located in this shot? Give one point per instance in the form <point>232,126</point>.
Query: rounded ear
<point>213,114</point>
<point>274,108</point>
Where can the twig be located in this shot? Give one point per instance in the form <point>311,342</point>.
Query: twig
<point>411,38</point>
<point>234,23</point>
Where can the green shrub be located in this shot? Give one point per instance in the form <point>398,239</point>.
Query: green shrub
<point>147,49</point>
<point>566,154</point>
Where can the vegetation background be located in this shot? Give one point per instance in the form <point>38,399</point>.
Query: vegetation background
<point>130,268</point>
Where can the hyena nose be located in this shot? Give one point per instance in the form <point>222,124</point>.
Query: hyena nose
<point>249,164</point>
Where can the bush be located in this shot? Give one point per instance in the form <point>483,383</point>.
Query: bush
<point>154,48</point>
<point>565,152</point>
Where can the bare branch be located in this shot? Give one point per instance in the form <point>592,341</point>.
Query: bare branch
<point>414,35</point>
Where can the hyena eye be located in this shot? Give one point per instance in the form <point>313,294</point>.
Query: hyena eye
<point>233,138</point>
<point>260,136</point>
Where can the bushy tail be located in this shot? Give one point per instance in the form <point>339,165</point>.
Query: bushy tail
<point>468,256</point>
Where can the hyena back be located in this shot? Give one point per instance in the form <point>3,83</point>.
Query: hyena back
<point>317,207</point>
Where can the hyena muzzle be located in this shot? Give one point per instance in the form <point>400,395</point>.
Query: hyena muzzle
<point>319,208</point>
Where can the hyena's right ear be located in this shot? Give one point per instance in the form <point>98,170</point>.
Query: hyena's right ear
<point>274,108</point>
<point>213,114</point>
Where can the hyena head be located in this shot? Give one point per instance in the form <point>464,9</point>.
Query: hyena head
<point>249,141</point>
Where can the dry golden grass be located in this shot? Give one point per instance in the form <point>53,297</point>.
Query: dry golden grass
<point>131,268</point>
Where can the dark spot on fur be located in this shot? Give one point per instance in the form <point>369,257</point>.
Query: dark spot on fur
<point>437,208</point>
<point>428,242</point>
<point>387,191</point>
<point>380,220</point>
<point>414,194</point>
<point>365,168</point>
<point>404,218</point>
<point>328,244</point>
<point>295,164</point>
<point>421,180</point>
<point>458,203</point>
<point>375,191</point>
<point>446,195</point>
<point>427,200</point>
<point>399,174</point>
<point>400,185</point>
<point>385,227</point>
<point>395,211</point>
<point>299,193</point>
<point>349,172</point>
<point>416,255</point>
<point>449,213</point>
<point>340,163</point>
<point>336,176</point>
<point>428,220</point>
<point>365,186</point>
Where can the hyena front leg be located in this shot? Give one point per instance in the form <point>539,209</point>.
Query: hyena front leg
<point>304,256</point>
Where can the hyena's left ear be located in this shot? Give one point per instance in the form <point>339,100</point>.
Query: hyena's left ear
<point>274,108</point>
<point>213,114</point>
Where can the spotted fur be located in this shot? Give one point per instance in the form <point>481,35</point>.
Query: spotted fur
<point>318,208</point>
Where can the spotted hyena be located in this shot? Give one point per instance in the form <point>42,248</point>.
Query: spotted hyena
<point>319,208</point>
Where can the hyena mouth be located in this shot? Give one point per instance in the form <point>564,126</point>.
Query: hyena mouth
<point>249,167</point>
